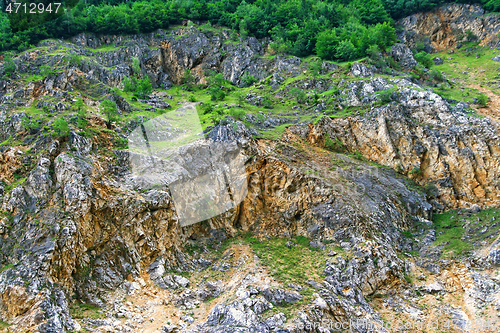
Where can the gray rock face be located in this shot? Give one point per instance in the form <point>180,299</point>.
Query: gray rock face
<point>361,70</point>
<point>448,26</point>
<point>403,55</point>
<point>494,256</point>
<point>438,61</point>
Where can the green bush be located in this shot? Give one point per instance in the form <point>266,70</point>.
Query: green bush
<point>110,111</point>
<point>61,127</point>
<point>299,94</point>
<point>424,59</point>
<point>9,66</point>
<point>237,113</point>
<point>248,80</point>
<point>334,145</point>
<point>192,98</point>
<point>385,96</point>
<point>482,100</point>
<point>188,80</point>
<point>436,75</point>
<point>141,88</point>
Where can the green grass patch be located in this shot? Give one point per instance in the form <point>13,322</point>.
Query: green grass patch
<point>449,232</point>
<point>6,267</point>
<point>81,311</point>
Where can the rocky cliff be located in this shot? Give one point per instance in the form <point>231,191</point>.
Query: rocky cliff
<point>449,26</point>
<point>336,226</point>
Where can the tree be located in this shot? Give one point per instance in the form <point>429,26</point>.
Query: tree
<point>110,111</point>
<point>8,66</point>
<point>371,11</point>
<point>316,68</point>
<point>144,87</point>
<point>188,79</point>
<point>326,45</point>
<point>81,113</point>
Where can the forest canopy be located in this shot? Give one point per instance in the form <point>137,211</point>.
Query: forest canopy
<point>333,29</point>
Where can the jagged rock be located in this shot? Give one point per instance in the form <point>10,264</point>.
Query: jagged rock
<point>434,27</point>
<point>494,256</point>
<point>361,70</point>
<point>280,296</point>
<point>403,55</point>
<point>437,61</point>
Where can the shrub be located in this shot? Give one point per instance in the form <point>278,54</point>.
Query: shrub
<point>61,127</point>
<point>248,80</point>
<point>110,112</point>
<point>140,87</point>
<point>192,98</point>
<point>237,113</point>
<point>334,145</point>
<point>81,113</point>
<point>267,103</point>
<point>46,70</point>
<point>385,96</point>
<point>424,59</point>
<point>188,79</point>
<point>8,67</point>
<point>416,171</point>
<point>299,94</point>
<point>436,75</point>
<point>482,100</point>
<point>316,68</point>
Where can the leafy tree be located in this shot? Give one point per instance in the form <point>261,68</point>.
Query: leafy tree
<point>188,79</point>
<point>326,45</point>
<point>144,87</point>
<point>8,66</point>
<point>371,11</point>
<point>110,111</point>
<point>316,68</point>
<point>81,113</point>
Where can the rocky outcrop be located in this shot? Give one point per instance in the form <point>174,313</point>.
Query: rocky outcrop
<point>425,138</point>
<point>447,26</point>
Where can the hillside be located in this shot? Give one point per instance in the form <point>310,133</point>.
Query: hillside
<point>353,194</point>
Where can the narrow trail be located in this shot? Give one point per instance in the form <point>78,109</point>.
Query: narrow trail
<point>492,109</point>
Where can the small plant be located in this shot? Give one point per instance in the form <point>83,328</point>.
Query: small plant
<point>46,70</point>
<point>385,96</point>
<point>248,80</point>
<point>110,111</point>
<point>73,59</point>
<point>316,68</point>
<point>482,100</point>
<point>61,127</point>
<point>436,75</point>
<point>424,59</point>
<point>267,103</point>
<point>188,80</point>
<point>416,171</point>
<point>9,67</point>
<point>81,113</point>
<point>237,113</point>
<point>334,145</point>
<point>192,98</point>
<point>299,94</point>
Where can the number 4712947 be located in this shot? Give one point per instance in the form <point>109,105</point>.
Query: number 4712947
<point>32,8</point>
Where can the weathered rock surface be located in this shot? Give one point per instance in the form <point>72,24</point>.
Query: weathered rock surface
<point>447,26</point>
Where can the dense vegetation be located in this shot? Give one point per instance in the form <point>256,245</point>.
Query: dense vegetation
<point>334,29</point>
